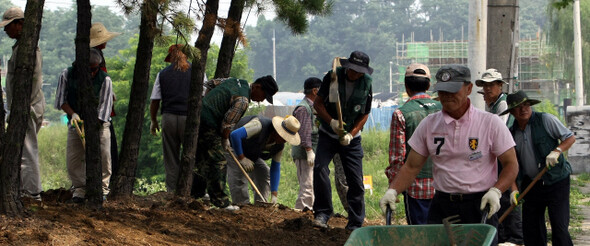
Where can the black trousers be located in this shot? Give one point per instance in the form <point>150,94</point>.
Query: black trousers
<point>556,199</point>
<point>510,230</point>
<point>467,206</point>
<point>352,163</point>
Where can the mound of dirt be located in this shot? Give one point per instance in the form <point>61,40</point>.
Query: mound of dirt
<point>162,219</point>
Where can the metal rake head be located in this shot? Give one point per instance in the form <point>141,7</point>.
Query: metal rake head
<point>473,238</point>
<point>452,231</point>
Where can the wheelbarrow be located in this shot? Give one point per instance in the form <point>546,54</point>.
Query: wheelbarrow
<point>435,234</point>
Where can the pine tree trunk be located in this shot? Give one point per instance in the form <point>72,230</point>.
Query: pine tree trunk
<point>88,104</point>
<point>191,133</point>
<point>124,180</point>
<point>231,33</point>
<point>14,138</point>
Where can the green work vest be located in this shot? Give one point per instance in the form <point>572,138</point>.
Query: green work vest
<point>543,144</point>
<point>414,112</point>
<point>218,101</point>
<point>494,109</point>
<point>298,152</point>
<point>73,84</point>
<point>355,106</point>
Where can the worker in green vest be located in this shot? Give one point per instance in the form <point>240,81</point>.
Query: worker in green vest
<point>404,121</point>
<point>223,107</point>
<point>510,230</point>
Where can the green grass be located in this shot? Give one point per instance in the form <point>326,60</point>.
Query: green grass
<point>52,156</point>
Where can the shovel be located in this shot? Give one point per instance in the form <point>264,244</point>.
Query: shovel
<point>80,131</point>
<point>246,174</point>
<point>528,188</point>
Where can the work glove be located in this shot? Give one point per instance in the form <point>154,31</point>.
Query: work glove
<point>514,197</point>
<point>247,164</point>
<point>154,127</point>
<point>335,126</point>
<point>274,199</point>
<point>75,118</point>
<point>310,157</point>
<point>345,140</point>
<point>551,159</point>
<point>226,144</point>
<point>492,197</point>
<point>389,199</point>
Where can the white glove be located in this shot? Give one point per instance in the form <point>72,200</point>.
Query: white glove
<point>552,159</point>
<point>345,140</point>
<point>226,144</point>
<point>310,157</point>
<point>492,197</point>
<point>154,127</point>
<point>514,197</point>
<point>274,199</point>
<point>335,126</point>
<point>247,165</point>
<point>389,199</point>
<point>75,117</point>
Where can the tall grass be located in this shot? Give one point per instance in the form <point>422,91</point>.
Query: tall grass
<point>52,156</point>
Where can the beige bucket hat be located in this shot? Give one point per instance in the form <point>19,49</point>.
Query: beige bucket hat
<point>100,35</point>
<point>13,13</point>
<point>288,128</point>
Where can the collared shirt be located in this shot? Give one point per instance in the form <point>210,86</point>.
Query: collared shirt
<point>525,147</point>
<point>421,188</point>
<point>464,151</point>
<point>238,107</point>
<point>105,102</point>
<point>306,124</point>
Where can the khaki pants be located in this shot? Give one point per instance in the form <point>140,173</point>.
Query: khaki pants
<point>30,172</point>
<point>305,177</point>
<point>76,164</point>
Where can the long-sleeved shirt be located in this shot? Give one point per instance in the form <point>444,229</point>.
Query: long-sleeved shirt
<point>306,124</point>
<point>105,100</point>
<point>421,188</point>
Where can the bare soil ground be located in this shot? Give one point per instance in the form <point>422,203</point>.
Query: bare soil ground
<point>161,219</point>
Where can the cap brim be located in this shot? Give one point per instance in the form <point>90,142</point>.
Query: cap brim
<point>6,22</point>
<point>355,67</point>
<point>268,96</point>
<point>531,101</point>
<point>293,140</point>
<point>480,82</point>
<point>452,87</point>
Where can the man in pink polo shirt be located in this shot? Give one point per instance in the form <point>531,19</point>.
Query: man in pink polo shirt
<point>464,144</point>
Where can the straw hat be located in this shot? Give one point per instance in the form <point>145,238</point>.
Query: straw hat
<point>100,35</point>
<point>287,128</point>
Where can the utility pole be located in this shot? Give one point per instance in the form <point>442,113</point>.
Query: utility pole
<point>579,81</point>
<point>390,77</point>
<point>503,36</point>
<point>477,33</point>
<point>274,56</point>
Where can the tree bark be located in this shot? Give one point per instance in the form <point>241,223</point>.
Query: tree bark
<point>14,138</point>
<point>191,132</point>
<point>125,179</point>
<point>231,33</point>
<point>88,105</point>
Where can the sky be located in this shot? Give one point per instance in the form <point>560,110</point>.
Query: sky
<point>223,8</point>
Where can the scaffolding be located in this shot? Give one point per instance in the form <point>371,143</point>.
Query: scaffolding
<point>534,74</point>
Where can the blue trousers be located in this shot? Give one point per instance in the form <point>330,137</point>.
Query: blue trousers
<point>416,209</point>
<point>555,198</point>
<point>352,163</point>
